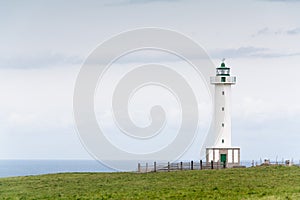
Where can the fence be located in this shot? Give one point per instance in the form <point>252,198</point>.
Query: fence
<point>269,162</point>
<point>192,165</point>
<point>200,165</point>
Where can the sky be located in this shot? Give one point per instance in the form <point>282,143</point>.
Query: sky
<point>44,44</point>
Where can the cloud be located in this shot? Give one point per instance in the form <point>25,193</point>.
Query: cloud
<point>257,122</point>
<point>294,31</point>
<point>39,61</point>
<point>263,31</point>
<point>249,51</point>
<point>284,1</point>
<point>135,2</point>
<point>21,118</point>
<point>267,32</point>
<point>235,53</point>
<point>275,55</point>
<point>50,60</point>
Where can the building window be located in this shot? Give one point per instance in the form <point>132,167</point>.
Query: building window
<point>223,79</point>
<point>222,108</point>
<point>222,141</point>
<point>223,93</point>
<point>222,124</point>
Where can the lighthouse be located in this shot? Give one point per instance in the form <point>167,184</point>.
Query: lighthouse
<point>222,151</point>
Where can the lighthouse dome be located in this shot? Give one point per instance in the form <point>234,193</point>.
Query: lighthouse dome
<point>223,70</point>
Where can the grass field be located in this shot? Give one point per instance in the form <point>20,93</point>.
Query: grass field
<point>276,182</point>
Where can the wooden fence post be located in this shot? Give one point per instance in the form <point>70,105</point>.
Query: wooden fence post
<point>200,164</point>
<point>180,165</point>
<point>192,165</point>
<point>154,166</point>
<point>146,167</point>
<point>139,167</point>
<point>168,166</point>
<point>212,164</point>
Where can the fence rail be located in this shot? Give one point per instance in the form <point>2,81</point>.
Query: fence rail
<point>200,165</point>
<point>192,165</point>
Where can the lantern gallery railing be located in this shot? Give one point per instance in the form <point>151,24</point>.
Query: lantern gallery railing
<point>223,80</point>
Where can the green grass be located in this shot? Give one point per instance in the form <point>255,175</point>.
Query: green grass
<point>252,183</point>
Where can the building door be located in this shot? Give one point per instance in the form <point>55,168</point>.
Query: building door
<point>223,158</point>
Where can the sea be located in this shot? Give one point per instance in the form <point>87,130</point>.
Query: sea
<point>12,168</point>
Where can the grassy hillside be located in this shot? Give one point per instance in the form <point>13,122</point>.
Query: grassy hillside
<point>251,183</point>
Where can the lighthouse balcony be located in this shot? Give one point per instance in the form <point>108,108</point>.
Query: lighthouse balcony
<point>223,80</point>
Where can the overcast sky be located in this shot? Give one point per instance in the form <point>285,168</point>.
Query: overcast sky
<point>44,43</point>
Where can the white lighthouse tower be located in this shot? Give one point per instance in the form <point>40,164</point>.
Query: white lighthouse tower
<point>222,151</point>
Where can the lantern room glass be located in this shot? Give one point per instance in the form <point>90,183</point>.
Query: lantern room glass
<point>223,72</point>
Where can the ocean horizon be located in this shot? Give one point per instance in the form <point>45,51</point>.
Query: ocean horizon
<point>13,168</point>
